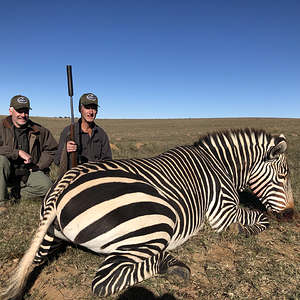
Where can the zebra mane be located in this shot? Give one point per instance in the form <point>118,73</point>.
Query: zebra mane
<point>229,134</point>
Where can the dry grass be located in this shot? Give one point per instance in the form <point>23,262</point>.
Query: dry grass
<point>223,266</point>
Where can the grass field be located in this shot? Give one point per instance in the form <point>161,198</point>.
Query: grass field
<point>223,266</point>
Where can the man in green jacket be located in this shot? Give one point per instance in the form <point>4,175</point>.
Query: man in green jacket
<point>27,150</point>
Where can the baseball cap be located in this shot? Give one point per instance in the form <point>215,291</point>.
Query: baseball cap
<point>19,101</point>
<point>88,98</point>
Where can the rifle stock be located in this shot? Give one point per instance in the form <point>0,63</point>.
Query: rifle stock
<point>73,155</point>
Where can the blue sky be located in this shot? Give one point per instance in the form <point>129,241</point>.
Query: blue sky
<point>155,58</point>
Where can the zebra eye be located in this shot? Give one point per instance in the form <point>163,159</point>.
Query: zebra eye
<point>281,176</point>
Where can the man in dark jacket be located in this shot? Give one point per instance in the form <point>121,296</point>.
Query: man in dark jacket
<point>91,142</point>
<point>27,150</point>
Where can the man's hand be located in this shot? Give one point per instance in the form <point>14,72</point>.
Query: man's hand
<point>25,156</point>
<point>34,168</point>
<point>71,146</point>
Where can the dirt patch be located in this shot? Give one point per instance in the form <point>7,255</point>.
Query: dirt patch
<point>139,145</point>
<point>54,285</point>
<point>112,146</point>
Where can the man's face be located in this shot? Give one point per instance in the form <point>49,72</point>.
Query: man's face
<point>89,112</point>
<point>19,116</point>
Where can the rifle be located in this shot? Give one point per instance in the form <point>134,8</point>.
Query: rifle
<point>73,155</point>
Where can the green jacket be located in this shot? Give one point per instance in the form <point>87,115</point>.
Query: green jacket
<point>42,145</point>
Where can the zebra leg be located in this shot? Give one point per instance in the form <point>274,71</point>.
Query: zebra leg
<point>171,266</point>
<point>250,223</point>
<point>49,247</point>
<point>120,271</point>
<point>235,219</point>
<point>236,227</point>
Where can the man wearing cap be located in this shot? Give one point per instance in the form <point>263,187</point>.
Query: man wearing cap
<point>91,142</point>
<point>27,150</point>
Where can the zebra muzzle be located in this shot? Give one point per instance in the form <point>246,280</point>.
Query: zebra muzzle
<point>286,215</point>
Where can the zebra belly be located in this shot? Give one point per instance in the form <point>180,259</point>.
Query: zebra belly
<point>179,239</point>
<point>61,236</point>
<point>128,220</point>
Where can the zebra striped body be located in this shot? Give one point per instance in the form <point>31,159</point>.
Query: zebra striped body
<point>135,210</point>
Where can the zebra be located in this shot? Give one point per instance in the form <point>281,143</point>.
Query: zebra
<point>135,210</point>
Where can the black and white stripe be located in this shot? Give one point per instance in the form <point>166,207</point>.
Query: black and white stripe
<point>135,210</point>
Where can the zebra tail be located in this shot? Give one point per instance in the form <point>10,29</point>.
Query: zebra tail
<point>17,283</point>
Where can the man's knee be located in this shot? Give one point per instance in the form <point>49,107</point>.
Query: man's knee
<point>48,184</point>
<point>44,184</point>
<point>38,184</point>
<point>5,170</point>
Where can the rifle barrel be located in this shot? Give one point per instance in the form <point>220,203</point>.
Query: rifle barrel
<point>70,80</point>
<point>70,90</point>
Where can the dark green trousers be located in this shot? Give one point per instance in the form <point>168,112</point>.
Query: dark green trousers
<point>37,184</point>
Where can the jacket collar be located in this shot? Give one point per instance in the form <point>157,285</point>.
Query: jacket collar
<point>8,123</point>
<point>94,125</point>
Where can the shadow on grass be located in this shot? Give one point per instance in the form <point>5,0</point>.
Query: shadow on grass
<point>140,293</point>
<point>33,277</point>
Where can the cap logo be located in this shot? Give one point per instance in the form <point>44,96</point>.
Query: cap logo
<point>91,97</point>
<point>22,100</point>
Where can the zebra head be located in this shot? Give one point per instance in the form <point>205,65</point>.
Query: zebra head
<point>270,180</point>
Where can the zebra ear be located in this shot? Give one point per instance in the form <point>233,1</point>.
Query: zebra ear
<point>278,149</point>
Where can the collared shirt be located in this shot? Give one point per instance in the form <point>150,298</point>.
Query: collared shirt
<point>91,146</point>
<point>94,148</point>
<point>22,138</point>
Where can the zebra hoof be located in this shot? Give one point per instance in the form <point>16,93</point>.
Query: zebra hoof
<point>236,227</point>
<point>181,271</point>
